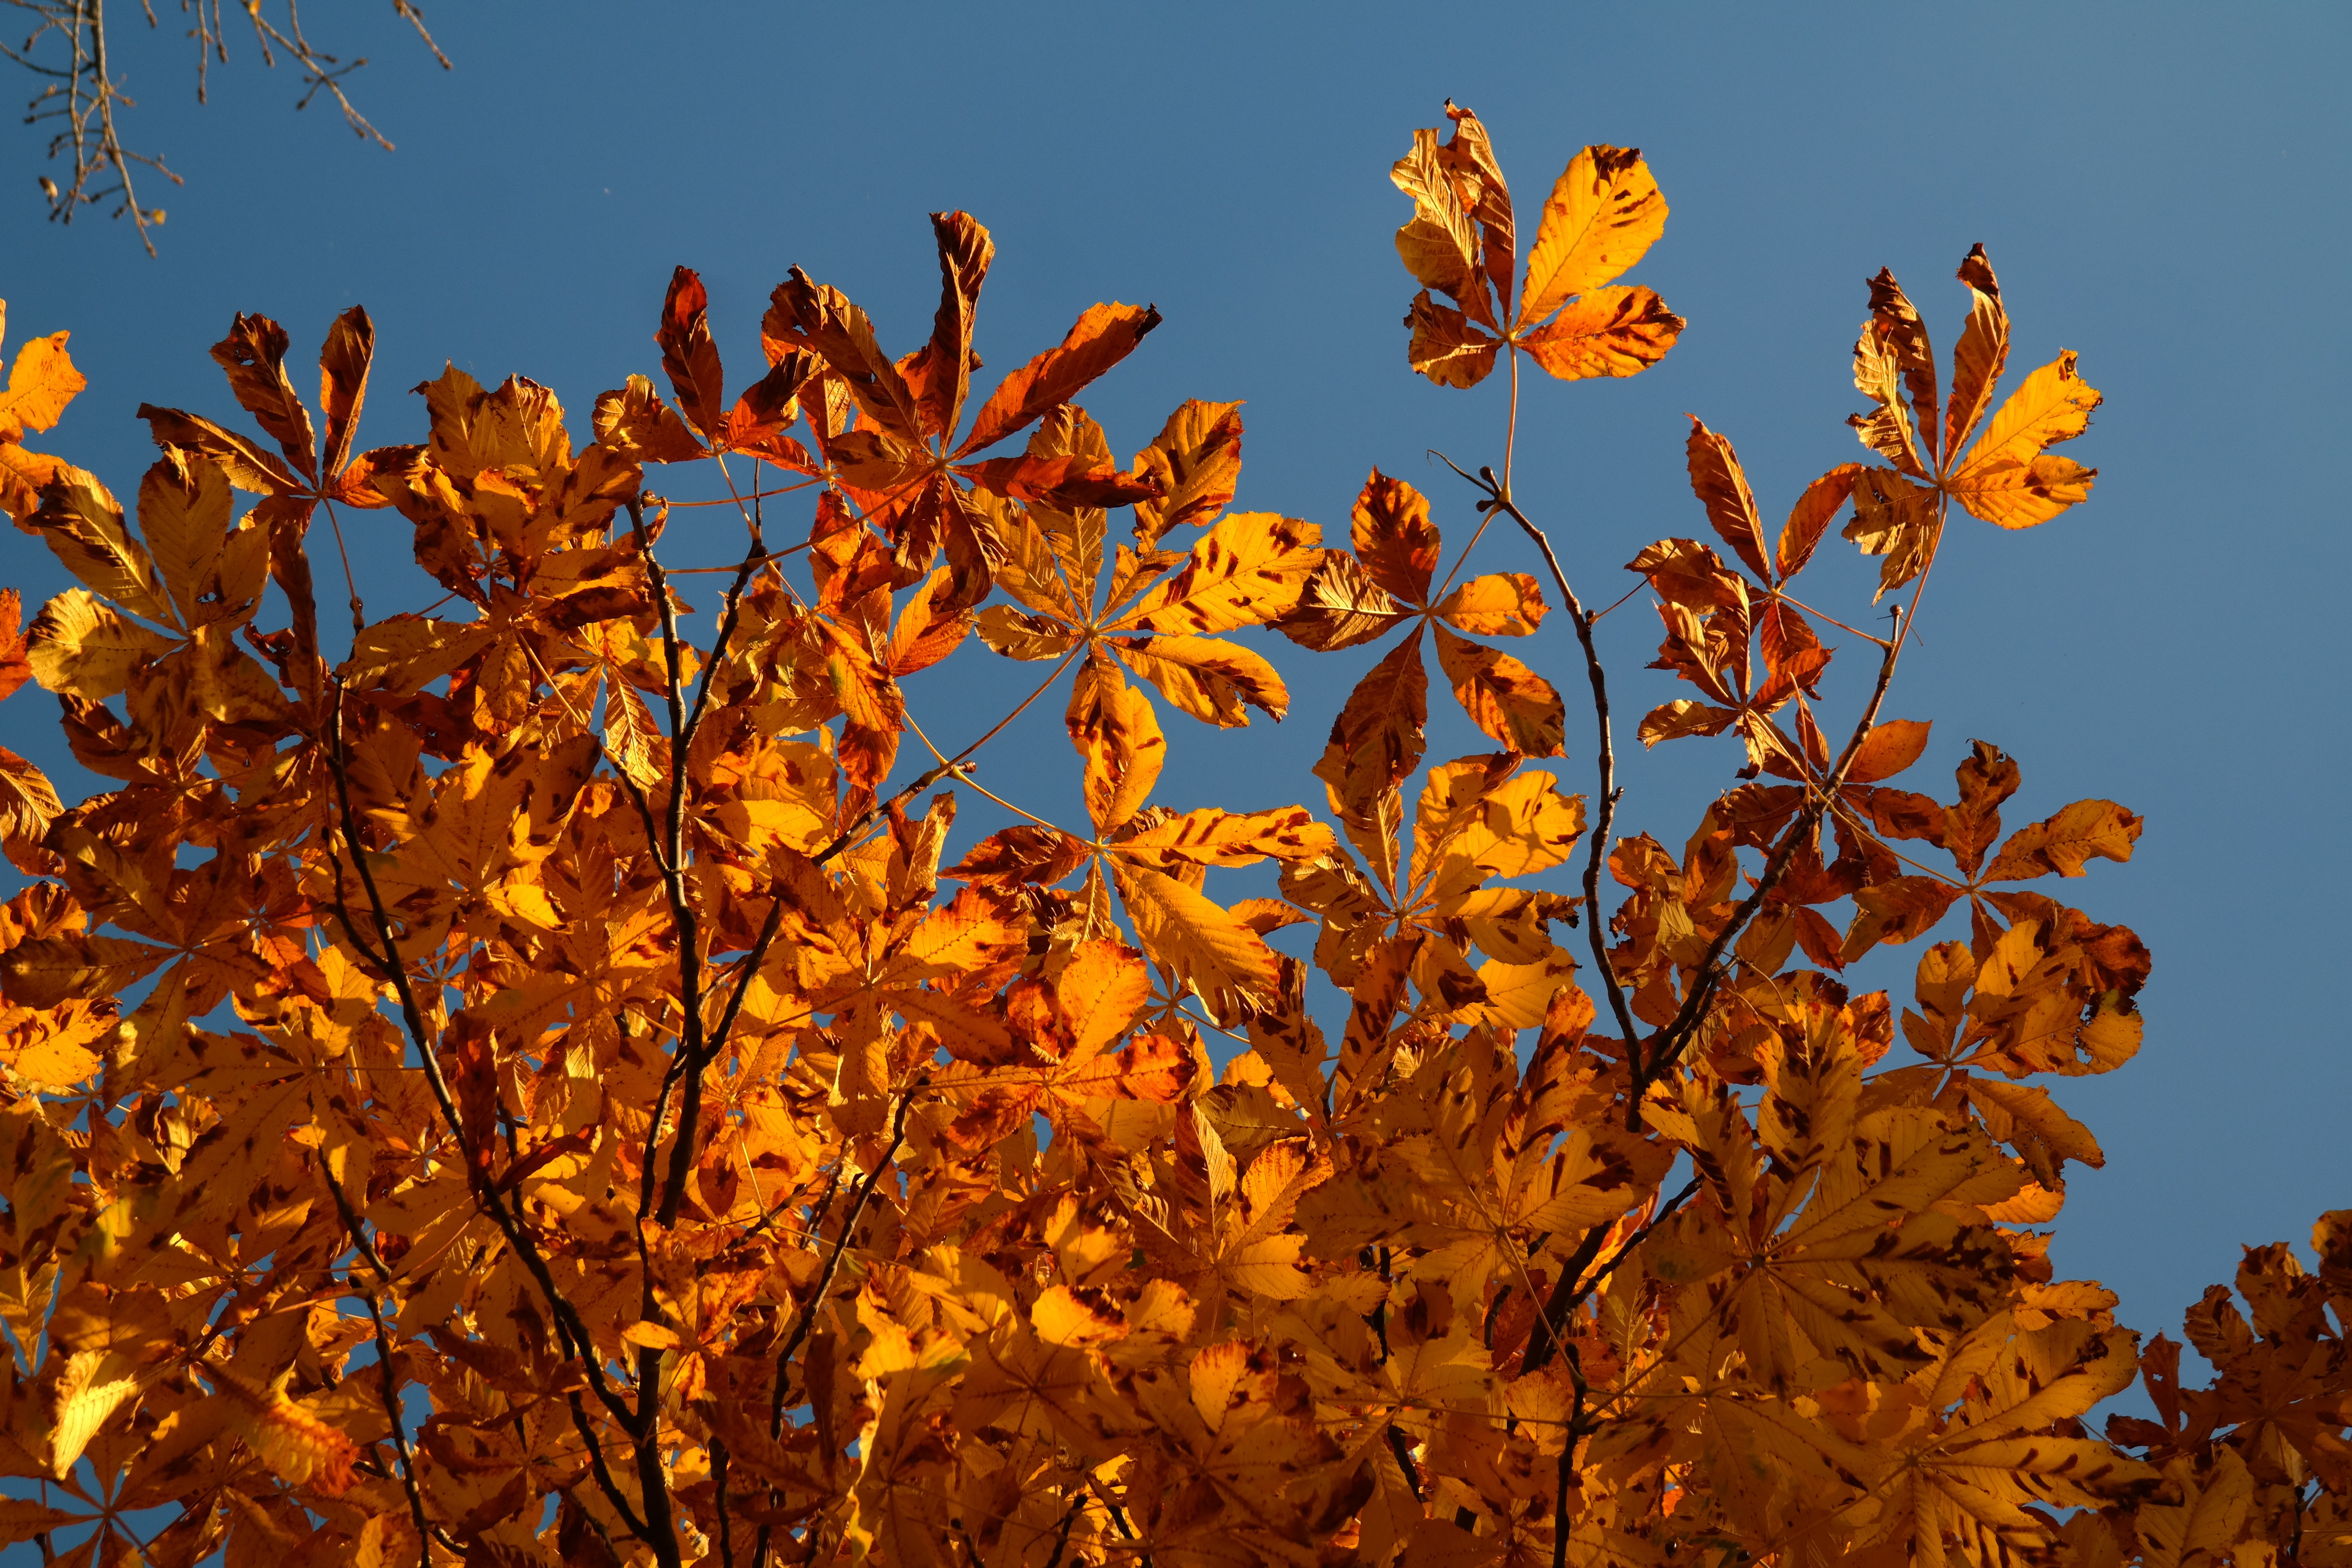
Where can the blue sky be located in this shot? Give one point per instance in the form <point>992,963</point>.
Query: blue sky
<point>2162,192</point>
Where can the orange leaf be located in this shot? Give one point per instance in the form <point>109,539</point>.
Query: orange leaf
<point>1812,514</point>
<point>1440,245</point>
<point>40,383</point>
<point>253,355</point>
<point>1673,720</point>
<point>1895,911</point>
<point>1377,740</point>
<point>2086,830</point>
<point>1394,540</point>
<point>1501,605</point>
<point>1197,458</point>
<point>1340,606</point>
<point>770,404</point>
<point>1722,488</point>
<point>343,361</point>
<point>15,669</point>
<point>1905,337</point>
<point>1502,697</point>
<point>1612,332</point>
<point>1896,518</point>
<point>2007,479</point>
<point>1888,750</point>
<point>1982,353</point>
<point>941,372</point>
<point>1208,677</point>
<point>690,357</point>
<point>805,314</point>
<point>1604,214</point>
<point>1102,337</point>
<point>633,421</point>
<point>1114,728</point>
<point>1446,347</point>
<point>1014,855</point>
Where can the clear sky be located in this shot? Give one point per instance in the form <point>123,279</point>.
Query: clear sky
<point>2163,189</point>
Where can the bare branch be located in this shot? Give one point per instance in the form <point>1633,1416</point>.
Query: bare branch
<point>71,44</point>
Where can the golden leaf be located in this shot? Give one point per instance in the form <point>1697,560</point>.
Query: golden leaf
<point>1602,216</point>
<point>1613,331</point>
<point>2009,478</point>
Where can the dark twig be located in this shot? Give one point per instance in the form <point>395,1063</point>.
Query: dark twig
<point>1668,1044</point>
<point>85,88</point>
<point>778,1400</point>
<point>570,1332</point>
<point>385,1370</point>
<point>1576,1285</point>
<point>1499,499</point>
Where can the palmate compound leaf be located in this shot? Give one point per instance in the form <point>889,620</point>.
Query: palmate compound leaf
<point>1954,1464</point>
<point>1846,1256</point>
<point>1249,568</point>
<point>1603,213</point>
<point>1155,865</point>
<point>905,469</point>
<point>1377,738</point>
<point>1479,1194</point>
<point>1476,824</point>
<point>2009,478</point>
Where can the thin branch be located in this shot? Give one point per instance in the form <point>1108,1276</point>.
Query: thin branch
<point>1499,499</point>
<point>386,1369</point>
<point>777,1403</point>
<point>1667,1045</point>
<point>570,1329</point>
<point>86,90</point>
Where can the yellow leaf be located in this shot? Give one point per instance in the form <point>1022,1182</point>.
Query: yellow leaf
<point>1224,960</point>
<point>1018,635</point>
<point>1248,569</point>
<point>1340,606</point>
<point>1603,213</point>
<point>40,383</point>
<point>184,516</point>
<point>28,802</point>
<point>82,526</point>
<point>1502,697</point>
<point>1212,837</point>
<point>92,1387</point>
<point>2007,477</point>
<point>651,1336</point>
<point>1439,246</point>
<point>1209,679</point>
<point>302,1449</point>
<point>1114,728</point>
<point>1197,457</point>
<point>83,648</point>
<point>1673,720</point>
<point>1471,826</point>
<point>1500,604</point>
<point>1517,995</point>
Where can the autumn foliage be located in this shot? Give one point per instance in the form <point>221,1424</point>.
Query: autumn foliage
<point>539,1081</point>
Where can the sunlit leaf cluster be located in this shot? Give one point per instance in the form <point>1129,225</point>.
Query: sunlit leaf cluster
<point>540,1079</point>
